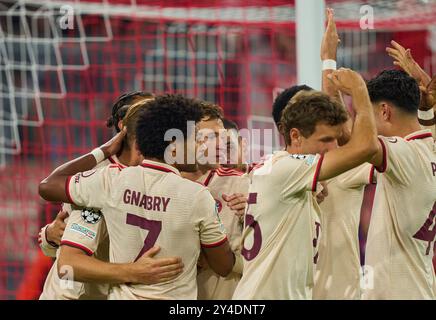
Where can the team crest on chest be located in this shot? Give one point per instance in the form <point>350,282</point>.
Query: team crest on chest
<point>90,215</point>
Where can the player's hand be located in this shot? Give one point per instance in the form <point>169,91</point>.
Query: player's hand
<point>403,58</point>
<point>330,40</point>
<point>428,95</point>
<point>320,196</point>
<point>114,145</point>
<point>149,270</point>
<point>236,202</point>
<point>55,230</point>
<point>348,81</point>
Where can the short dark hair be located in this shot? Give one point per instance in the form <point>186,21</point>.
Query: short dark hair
<point>229,124</point>
<point>308,109</point>
<point>211,111</point>
<point>396,87</point>
<point>169,111</point>
<point>282,100</point>
<point>120,107</point>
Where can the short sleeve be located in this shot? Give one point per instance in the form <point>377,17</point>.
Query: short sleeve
<point>398,159</point>
<point>299,173</point>
<point>85,229</point>
<point>207,221</point>
<point>91,188</point>
<point>358,177</point>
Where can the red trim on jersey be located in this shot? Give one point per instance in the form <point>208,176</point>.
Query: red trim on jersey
<point>318,169</point>
<point>117,163</point>
<point>209,177</point>
<point>371,175</point>
<point>214,245</point>
<point>117,166</point>
<point>420,136</point>
<point>155,167</point>
<point>255,166</point>
<point>67,190</point>
<point>385,158</point>
<point>77,245</point>
<point>228,172</point>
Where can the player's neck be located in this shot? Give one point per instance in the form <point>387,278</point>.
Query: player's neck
<point>404,128</point>
<point>128,158</point>
<point>194,176</point>
<point>293,150</point>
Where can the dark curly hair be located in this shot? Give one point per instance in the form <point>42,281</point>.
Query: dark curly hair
<point>120,107</point>
<point>396,87</point>
<point>282,100</point>
<point>307,109</point>
<point>211,111</point>
<point>169,111</point>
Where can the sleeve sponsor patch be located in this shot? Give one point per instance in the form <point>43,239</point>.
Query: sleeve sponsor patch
<point>298,156</point>
<point>84,231</point>
<point>309,159</point>
<point>90,215</point>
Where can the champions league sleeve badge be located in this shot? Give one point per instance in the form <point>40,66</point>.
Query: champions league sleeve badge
<point>90,215</point>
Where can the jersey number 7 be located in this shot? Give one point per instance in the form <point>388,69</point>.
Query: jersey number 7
<point>154,227</point>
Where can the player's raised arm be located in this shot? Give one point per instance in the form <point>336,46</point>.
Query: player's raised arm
<point>53,189</point>
<point>363,145</point>
<point>427,106</point>
<point>329,48</point>
<point>146,270</point>
<point>403,58</point>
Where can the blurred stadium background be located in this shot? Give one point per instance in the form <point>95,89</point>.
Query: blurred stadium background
<point>57,84</point>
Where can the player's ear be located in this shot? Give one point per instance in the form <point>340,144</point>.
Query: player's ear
<point>295,136</point>
<point>386,111</point>
<point>120,125</point>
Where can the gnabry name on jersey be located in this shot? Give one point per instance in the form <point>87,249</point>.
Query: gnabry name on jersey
<point>154,203</point>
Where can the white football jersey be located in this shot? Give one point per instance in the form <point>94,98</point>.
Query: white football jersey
<point>150,205</point>
<point>282,229</point>
<point>402,230</point>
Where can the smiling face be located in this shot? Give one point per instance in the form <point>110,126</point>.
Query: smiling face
<point>212,137</point>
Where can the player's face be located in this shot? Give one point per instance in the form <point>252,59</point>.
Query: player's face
<point>212,136</point>
<point>234,149</point>
<point>323,139</point>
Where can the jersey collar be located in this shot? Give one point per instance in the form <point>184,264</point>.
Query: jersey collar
<point>421,134</point>
<point>114,159</point>
<point>159,166</point>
